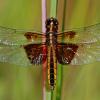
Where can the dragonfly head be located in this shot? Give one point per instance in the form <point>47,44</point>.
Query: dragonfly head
<point>51,25</point>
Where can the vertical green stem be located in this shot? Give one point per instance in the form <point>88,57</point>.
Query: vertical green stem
<point>53,8</point>
<point>53,13</point>
<point>59,82</point>
<point>64,12</point>
<point>60,67</point>
<point>51,94</point>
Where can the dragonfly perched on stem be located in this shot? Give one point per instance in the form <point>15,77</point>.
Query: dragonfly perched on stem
<point>75,47</point>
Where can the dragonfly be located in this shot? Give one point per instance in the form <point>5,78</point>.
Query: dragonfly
<point>26,48</point>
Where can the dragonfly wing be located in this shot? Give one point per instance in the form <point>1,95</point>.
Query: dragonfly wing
<point>65,52</point>
<point>86,53</point>
<point>78,54</point>
<point>36,53</point>
<point>18,37</point>
<point>82,35</point>
<point>22,55</point>
<point>14,55</point>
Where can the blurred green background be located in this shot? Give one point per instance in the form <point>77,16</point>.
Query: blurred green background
<point>25,83</point>
<point>18,82</point>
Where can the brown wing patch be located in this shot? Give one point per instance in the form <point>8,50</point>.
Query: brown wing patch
<point>69,34</point>
<point>36,53</point>
<point>65,52</point>
<point>34,36</point>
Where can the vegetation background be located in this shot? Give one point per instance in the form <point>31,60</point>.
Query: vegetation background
<point>25,83</point>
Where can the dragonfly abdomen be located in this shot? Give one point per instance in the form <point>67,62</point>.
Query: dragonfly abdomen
<point>52,69</point>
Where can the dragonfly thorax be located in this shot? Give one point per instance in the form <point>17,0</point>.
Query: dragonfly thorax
<point>51,25</point>
<point>51,38</point>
